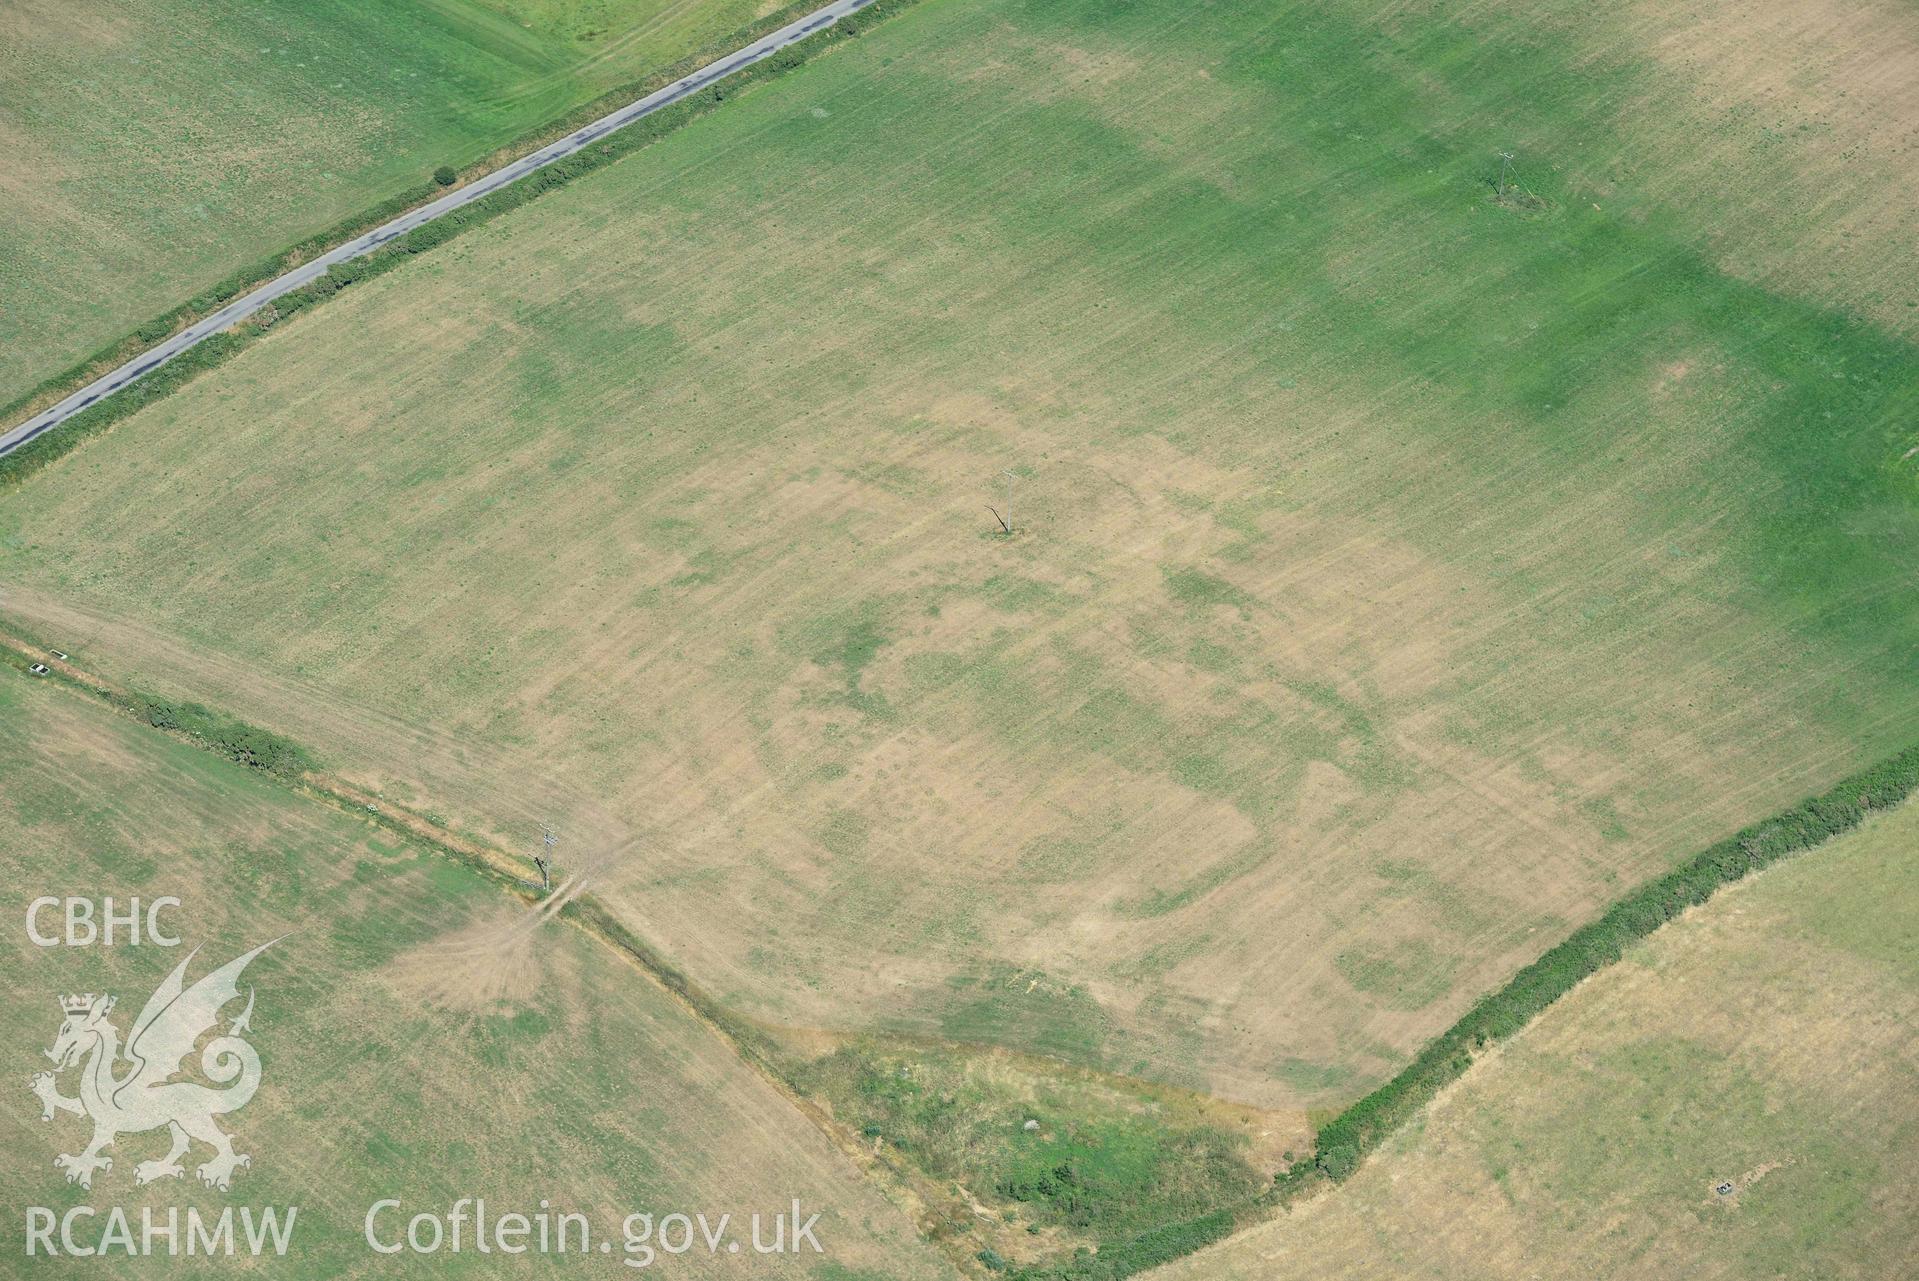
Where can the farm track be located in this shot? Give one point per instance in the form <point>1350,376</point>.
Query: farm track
<point>153,358</point>
<point>573,905</point>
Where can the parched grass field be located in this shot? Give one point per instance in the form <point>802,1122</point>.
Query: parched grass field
<point>1399,572</point>
<point>147,150</point>
<point>422,1036</point>
<point>1765,1041</point>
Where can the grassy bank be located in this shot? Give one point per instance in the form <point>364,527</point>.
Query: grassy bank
<point>423,1036</point>
<point>1034,1169</point>
<point>1733,1098</point>
<point>1368,529</point>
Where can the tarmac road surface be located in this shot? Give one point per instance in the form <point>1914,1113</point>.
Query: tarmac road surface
<point>239,309</point>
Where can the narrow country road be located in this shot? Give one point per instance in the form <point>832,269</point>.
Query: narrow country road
<point>239,309</point>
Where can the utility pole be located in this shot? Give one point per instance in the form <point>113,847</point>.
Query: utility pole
<point>1006,521</point>
<point>544,861</point>
<point>1505,167</point>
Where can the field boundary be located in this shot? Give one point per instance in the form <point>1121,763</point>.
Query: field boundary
<point>1343,1143</point>
<point>291,767</point>
<point>288,765</point>
<point>208,302</point>
<point>1340,1146</point>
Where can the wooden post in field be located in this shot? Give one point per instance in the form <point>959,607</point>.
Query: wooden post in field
<point>545,861</point>
<point>1006,521</point>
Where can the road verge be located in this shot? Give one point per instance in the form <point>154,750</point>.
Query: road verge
<point>136,360</point>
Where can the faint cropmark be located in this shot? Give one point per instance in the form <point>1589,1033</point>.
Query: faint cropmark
<point>129,1091</point>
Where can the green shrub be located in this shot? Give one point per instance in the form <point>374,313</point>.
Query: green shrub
<point>446,175</point>
<point>1124,1258</point>
<point>244,744</point>
<point>1337,1162</point>
<point>1348,1137</point>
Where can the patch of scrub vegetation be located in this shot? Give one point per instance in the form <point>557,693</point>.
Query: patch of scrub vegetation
<point>239,742</point>
<point>396,993</point>
<point>1065,1163</point>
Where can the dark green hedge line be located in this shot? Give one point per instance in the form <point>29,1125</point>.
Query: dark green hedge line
<point>43,449</point>
<point>750,1041</point>
<point>1147,1250</point>
<point>1342,1143</point>
<point>224,291</point>
<point>245,744</point>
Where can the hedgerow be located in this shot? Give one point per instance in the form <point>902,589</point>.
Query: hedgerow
<point>244,744</point>
<point>1137,1254</point>
<point>182,369</point>
<point>1343,1142</point>
<point>239,282</point>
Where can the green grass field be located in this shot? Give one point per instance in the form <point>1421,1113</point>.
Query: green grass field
<point>1764,1041</point>
<point>151,149</point>
<point>423,1037</point>
<point>1400,573</point>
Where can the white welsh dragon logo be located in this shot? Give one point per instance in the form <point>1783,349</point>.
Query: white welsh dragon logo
<point>143,1097</point>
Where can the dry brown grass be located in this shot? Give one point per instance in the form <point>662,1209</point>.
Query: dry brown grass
<point>423,1039</point>
<point>1764,1040</point>
<point>1788,129</point>
<point>1313,697</point>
